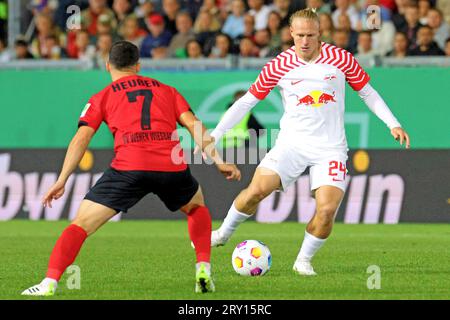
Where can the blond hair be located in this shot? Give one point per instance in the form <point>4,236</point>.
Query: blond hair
<point>308,13</point>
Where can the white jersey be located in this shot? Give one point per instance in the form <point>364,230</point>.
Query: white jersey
<point>313,95</point>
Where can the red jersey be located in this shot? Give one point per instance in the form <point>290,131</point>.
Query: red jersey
<point>142,114</point>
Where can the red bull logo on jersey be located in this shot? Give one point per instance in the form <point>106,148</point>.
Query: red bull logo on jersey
<point>316,98</point>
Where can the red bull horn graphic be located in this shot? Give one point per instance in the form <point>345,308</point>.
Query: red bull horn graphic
<point>316,99</point>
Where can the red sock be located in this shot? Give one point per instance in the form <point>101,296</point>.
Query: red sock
<point>199,226</point>
<point>65,251</point>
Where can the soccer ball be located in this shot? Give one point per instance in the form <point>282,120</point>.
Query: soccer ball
<point>251,258</point>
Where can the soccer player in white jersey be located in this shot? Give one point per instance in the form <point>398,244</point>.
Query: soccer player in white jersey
<point>311,77</point>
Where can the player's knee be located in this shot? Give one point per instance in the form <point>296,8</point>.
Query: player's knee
<point>189,207</point>
<point>85,224</point>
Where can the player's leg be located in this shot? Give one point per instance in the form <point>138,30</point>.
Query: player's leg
<point>115,191</point>
<point>199,227</point>
<point>328,199</point>
<point>90,217</point>
<point>263,183</point>
<point>181,191</point>
<point>328,185</point>
<point>278,170</point>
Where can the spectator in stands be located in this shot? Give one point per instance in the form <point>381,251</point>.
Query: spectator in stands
<point>5,55</point>
<point>44,28</point>
<point>273,25</point>
<point>398,17</point>
<point>364,47</point>
<point>284,9</point>
<point>401,45</point>
<point>320,6</point>
<point>144,9</point>
<point>345,7</point>
<point>326,27</point>
<point>424,6</point>
<point>249,26</point>
<point>341,39</point>
<point>21,50</point>
<point>191,6</point>
<point>105,25</point>
<point>412,24</point>
<point>83,49</point>
<point>234,23</point>
<point>170,10</point>
<point>447,47</point>
<point>130,31</point>
<point>53,49</point>
<point>388,4</point>
<point>222,46</point>
<point>204,32</point>
<point>286,37</point>
<point>194,49</point>
<point>121,8</point>
<point>247,49</point>
<point>261,13</point>
<point>177,47</point>
<point>426,46</point>
<point>210,6</point>
<point>344,23</point>
<point>441,29</point>
<point>158,37</point>
<point>104,43</point>
<point>444,6</point>
<point>262,41</point>
<point>42,7</point>
<point>90,15</point>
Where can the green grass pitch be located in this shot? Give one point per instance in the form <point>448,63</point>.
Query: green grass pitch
<point>154,260</point>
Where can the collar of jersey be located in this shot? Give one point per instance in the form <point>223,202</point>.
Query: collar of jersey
<point>311,62</point>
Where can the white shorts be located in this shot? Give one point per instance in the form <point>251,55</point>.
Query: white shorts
<point>326,167</point>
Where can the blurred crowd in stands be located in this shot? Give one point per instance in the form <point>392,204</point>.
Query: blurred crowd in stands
<point>192,29</point>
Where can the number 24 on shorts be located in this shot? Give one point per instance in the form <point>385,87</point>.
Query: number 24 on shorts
<point>335,168</point>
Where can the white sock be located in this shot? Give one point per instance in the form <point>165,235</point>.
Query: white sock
<point>233,219</point>
<point>310,246</point>
<point>47,281</point>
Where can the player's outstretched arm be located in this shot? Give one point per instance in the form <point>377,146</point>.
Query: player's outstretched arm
<point>234,114</point>
<point>377,105</point>
<point>74,154</point>
<point>202,138</point>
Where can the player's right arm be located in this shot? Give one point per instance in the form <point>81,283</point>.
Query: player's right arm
<point>74,154</point>
<point>267,80</point>
<point>90,120</point>
<point>201,137</point>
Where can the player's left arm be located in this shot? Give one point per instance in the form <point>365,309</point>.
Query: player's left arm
<point>358,79</point>
<point>376,104</point>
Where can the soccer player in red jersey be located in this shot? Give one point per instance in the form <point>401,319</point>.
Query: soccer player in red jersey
<point>142,114</point>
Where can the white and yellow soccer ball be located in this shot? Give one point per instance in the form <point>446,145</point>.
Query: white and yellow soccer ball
<point>251,258</point>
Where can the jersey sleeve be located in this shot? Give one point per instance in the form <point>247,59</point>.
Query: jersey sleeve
<point>267,80</point>
<point>92,115</point>
<point>181,105</point>
<point>355,75</point>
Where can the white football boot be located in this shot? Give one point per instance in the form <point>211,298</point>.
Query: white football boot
<point>216,240</point>
<point>304,267</point>
<point>45,289</point>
